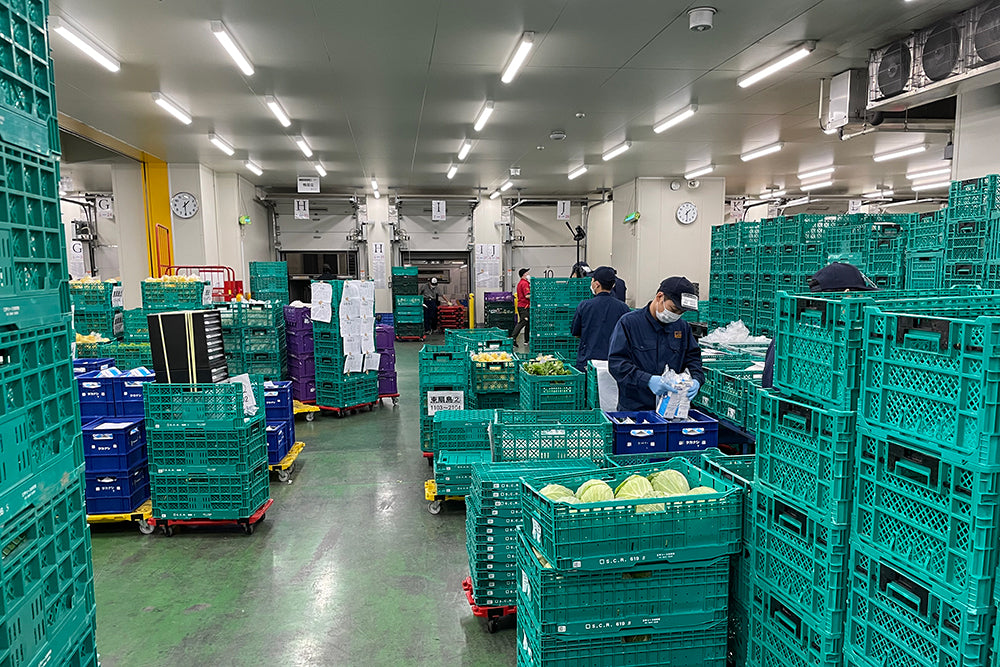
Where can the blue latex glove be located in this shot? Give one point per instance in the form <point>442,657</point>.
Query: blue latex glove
<point>693,391</point>
<point>658,386</point>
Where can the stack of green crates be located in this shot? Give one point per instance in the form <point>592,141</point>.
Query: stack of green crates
<point>334,388</point>
<point>207,458</point>
<point>136,326</point>
<point>493,385</point>
<point>97,307</point>
<point>269,282</point>
<point>553,304</point>
<point>498,310</point>
<point>492,518</point>
<point>160,296</point>
<point>444,385</point>
<point>407,304</point>
<point>253,334</point>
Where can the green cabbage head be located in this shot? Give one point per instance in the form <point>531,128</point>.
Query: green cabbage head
<point>555,492</point>
<point>595,491</point>
<point>636,486</point>
<point>669,482</point>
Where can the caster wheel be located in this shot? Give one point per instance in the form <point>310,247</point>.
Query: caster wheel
<point>434,507</point>
<point>262,517</point>
<point>371,407</point>
<point>168,531</point>
<point>430,461</point>
<point>492,625</point>
<point>310,416</point>
<point>146,528</point>
<point>247,528</point>
<point>283,475</point>
<point>395,401</point>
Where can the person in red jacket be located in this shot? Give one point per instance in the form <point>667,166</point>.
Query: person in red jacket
<point>523,305</point>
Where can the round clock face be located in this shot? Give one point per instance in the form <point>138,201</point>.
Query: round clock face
<point>184,205</point>
<point>687,213</point>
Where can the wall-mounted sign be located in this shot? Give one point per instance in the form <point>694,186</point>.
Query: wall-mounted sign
<point>105,207</point>
<point>308,184</point>
<point>562,209</point>
<point>301,209</point>
<point>438,210</point>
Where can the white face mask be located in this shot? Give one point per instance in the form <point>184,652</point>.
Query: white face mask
<point>593,290</point>
<point>667,317</point>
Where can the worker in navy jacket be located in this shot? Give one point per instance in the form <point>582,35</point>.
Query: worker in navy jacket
<point>647,340</point>
<point>596,318</point>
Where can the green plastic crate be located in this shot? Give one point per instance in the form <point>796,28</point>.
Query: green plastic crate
<point>553,392</point>
<point>559,291</point>
<point>494,377</point>
<point>27,77</point>
<point>657,597</point>
<point>129,355</point>
<point>463,429</point>
<point>108,323</point>
<point>404,271</point>
<point>160,296</point>
<point>204,405</point>
<point>893,613</point>
<point>783,638</point>
<point>200,495</point>
<point>929,517</point>
<point>270,341</point>
<point>95,296</point>
<point>453,470</point>
<point>405,285</point>
<point>490,339</point>
<point>593,390</point>
<point>807,453</point>
<point>613,535</point>
<point>738,469</point>
<point>565,347</point>
<point>509,401</point>
<point>209,450</point>
<point>967,241</point>
<point>974,198</point>
<point>556,319</point>
<point>355,390</point>
<point>550,434</point>
<point>275,269</point>
<point>925,231</point>
<point>925,271</point>
<point>403,301</point>
<point>444,365</point>
<point>136,325</point>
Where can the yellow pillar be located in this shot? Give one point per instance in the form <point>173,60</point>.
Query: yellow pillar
<point>159,230</point>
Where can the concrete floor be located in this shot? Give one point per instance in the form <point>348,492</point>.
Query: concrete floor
<point>348,569</point>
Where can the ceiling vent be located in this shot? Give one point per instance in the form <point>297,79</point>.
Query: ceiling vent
<point>984,29</point>
<point>890,70</point>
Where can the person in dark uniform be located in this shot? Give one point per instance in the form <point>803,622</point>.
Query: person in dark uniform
<point>618,291</point>
<point>432,299</point>
<point>836,277</point>
<point>596,318</point>
<point>580,270</point>
<point>646,341</point>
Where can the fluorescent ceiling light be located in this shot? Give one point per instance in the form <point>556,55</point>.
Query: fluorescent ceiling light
<point>902,152</point>
<point>232,48</point>
<point>806,175</point>
<point>578,172</point>
<point>463,152</point>
<point>272,103</point>
<point>452,170</point>
<point>779,63</point>
<point>930,173</point>
<point>699,172</point>
<point>520,55</point>
<point>760,152</point>
<point>304,146</point>
<point>85,44</point>
<point>319,169</point>
<point>494,194</point>
<point>172,108</point>
<point>484,115</point>
<point>506,186</point>
<point>375,193</point>
<point>616,151</point>
<point>919,187</point>
<point>877,194</point>
<point>678,117</point>
<point>815,186</point>
<point>798,202</point>
<point>221,144</point>
<point>374,183</point>
<point>771,194</point>
<point>253,167</point>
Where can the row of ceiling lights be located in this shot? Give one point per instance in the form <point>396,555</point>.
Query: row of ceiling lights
<point>83,42</point>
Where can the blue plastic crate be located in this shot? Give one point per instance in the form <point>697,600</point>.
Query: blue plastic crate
<point>279,441</point>
<point>117,493</point>
<point>97,395</point>
<point>278,400</point>
<point>81,366</point>
<point>699,432</point>
<point>114,445</point>
<point>128,395</point>
<point>645,433</point>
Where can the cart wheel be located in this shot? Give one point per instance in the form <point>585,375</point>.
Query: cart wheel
<point>168,530</point>
<point>395,400</point>
<point>283,475</point>
<point>492,625</point>
<point>145,527</point>
<point>434,507</point>
<point>310,416</point>
<point>430,461</point>
<point>247,528</point>
<point>262,517</point>
<point>371,406</point>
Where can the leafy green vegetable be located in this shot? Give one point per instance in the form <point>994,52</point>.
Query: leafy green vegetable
<point>659,507</point>
<point>556,492</point>
<point>546,365</point>
<point>635,486</point>
<point>669,482</point>
<point>595,491</point>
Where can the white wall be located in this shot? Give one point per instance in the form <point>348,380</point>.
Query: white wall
<point>600,225</point>
<point>548,247</point>
<point>378,232</point>
<point>130,210</point>
<point>236,245</point>
<point>977,133</point>
<point>195,239</point>
<point>485,221</point>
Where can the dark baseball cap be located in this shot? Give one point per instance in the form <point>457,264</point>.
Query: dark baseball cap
<point>681,291</point>
<point>838,277</point>
<point>521,273</point>
<point>605,275</point>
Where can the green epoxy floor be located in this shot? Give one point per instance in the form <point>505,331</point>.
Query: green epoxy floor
<point>348,569</point>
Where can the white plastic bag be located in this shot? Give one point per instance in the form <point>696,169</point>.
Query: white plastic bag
<point>607,387</point>
<point>674,406</point>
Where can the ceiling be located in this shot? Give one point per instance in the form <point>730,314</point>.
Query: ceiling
<point>390,88</point>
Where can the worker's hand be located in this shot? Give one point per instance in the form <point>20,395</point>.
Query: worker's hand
<point>658,386</point>
<point>693,391</point>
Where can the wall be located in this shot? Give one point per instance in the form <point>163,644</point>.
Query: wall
<point>486,229</point>
<point>378,232</point>
<point>548,247</point>
<point>976,134</point>
<point>600,225</point>
<point>130,211</point>
<point>237,245</point>
<point>658,246</point>
<point>195,239</point>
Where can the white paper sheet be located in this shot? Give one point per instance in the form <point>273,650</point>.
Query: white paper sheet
<point>322,296</point>
<point>354,363</point>
<point>372,361</point>
<point>352,345</point>
<point>367,343</point>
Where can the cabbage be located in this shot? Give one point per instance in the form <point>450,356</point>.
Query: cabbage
<point>669,482</point>
<point>698,490</point>
<point>595,491</point>
<point>653,493</point>
<point>556,492</point>
<point>633,488</point>
<point>569,500</point>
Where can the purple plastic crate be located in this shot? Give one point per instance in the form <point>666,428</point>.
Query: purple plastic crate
<point>387,384</point>
<point>387,362</point>
<point>297,319</point>
<point>301,368</point>
<point>304,389</point>
<point>299,345</point>
<point>493,297</point>
<point>385,338</point>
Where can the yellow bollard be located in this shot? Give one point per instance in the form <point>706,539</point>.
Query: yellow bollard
<point>472,311</point>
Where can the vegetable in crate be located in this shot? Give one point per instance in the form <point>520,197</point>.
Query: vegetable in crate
<point>557,492</point>
<point>669,482</point>
<point>492,356</point>
<point>595,491</point>
<point>546,365</point>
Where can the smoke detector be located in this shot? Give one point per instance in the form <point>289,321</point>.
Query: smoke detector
<point>701,18</point>
<point>515,171</point>
<point>557,135</point>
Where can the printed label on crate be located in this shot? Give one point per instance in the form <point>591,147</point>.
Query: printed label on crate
<point>731,413</point>
<point>536,530</point>
<point>438,401</point>
<point>525,586</point>
<point>692,431</point>
<point>117,296</point>
<point>206,295</point>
